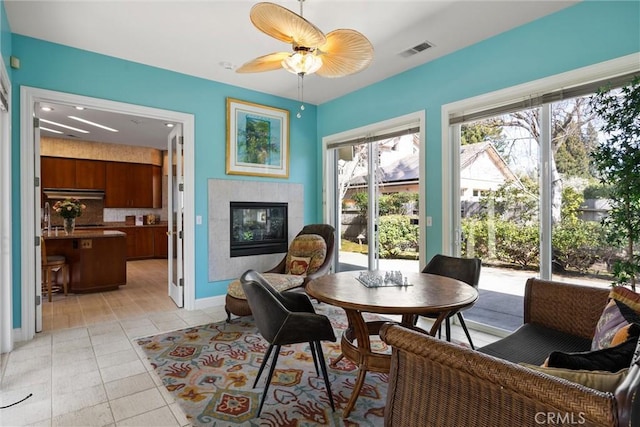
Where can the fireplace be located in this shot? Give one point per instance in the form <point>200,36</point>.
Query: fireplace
<point>258,228</point>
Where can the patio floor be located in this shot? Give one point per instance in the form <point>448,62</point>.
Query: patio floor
<point>500,304</point>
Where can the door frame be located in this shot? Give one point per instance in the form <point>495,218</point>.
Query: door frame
<point>6,256</point>
<point>174,190</point>
<point>28,234</point>
<point>329,171</point>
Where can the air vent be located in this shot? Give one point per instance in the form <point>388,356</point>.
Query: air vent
<point>416,49</point>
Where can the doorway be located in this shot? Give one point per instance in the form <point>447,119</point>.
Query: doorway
<point>30,229</point>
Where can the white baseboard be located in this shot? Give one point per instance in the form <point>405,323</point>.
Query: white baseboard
<point>17,335</point>
<point>217,301</point>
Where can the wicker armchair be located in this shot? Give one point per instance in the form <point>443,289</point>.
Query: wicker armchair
<point>437,383</point>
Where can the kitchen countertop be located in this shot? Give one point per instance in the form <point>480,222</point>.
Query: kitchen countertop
<point>118,225</point>
<point>122,224</point>
<point>84,234</point>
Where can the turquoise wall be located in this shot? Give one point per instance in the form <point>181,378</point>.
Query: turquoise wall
<point>60,68</point>
<point>581,35</point>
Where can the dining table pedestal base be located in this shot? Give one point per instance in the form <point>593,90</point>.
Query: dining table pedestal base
<point>356,346</point>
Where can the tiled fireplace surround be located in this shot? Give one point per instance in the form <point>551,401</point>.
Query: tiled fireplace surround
<point>221,193</point>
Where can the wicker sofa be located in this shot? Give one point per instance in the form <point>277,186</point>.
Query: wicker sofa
<point>458,386</point>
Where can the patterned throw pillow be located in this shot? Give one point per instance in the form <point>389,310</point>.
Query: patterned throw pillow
<point>310,246</point>
<point>622,309</point>
<point>298,265</point>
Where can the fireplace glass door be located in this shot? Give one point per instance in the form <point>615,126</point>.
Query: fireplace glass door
<point>258,228</point>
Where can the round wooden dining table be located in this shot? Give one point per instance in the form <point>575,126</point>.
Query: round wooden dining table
<point>425,294</point>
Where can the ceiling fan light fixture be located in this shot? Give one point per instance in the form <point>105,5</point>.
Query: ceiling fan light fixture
<point>302,62</point>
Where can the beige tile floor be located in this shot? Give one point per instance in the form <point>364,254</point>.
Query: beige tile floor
<point>85,370</point>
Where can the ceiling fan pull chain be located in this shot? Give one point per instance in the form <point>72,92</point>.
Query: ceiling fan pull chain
<point>300,94</point>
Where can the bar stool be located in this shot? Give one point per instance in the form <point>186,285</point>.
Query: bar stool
<point>50,264</point>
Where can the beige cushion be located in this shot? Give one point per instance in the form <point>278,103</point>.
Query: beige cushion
<point>310,246</point>
<point>281,282</point>
<point>598,380</point>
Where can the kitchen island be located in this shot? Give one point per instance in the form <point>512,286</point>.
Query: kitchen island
<point>97,258</point>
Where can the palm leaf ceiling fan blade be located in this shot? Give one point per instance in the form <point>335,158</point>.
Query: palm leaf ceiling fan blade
<point>345,52</point>
<point>285,25</point>
<point>270,62</point>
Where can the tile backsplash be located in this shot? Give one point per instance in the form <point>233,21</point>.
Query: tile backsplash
<point>92,215</point>
<point>96,213</point>
<point>118,215</point>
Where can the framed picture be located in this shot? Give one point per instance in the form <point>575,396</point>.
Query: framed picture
<point>257,140</point>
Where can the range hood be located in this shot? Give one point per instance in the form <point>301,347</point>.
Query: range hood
<point>74,193</point>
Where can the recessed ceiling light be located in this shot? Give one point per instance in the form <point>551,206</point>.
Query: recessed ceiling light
<point>169,125</point>
<point>45,108</point>
<point>50,130</point>
<point>227,65</point>
<point>79,108</point>
<point>93,124</point>
<point>64,126</point>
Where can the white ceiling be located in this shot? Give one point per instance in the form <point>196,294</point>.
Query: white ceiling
<point>197,37</point>
<point>132,130</point>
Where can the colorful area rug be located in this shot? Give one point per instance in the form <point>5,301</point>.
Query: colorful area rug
<point>210,369</point>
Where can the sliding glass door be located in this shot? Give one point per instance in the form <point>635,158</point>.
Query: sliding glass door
<point>357,193</point>
<point>376,201</point>
<point>530,203</point>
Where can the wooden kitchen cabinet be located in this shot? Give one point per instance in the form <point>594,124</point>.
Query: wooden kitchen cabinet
<point>160,242</point>
<point>90,174</point>
<point>144,242</point>
<point>59,172</point>
<point>132,185</point>
<point>117,192</point>
<point>156,174</point>
<point>140,244</point>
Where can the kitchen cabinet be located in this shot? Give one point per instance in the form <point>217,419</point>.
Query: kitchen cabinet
<point>156,174</point>
<point>90,174</point>
<point>139,242</point>
<point>160,242</point>
<point>133,185</point>
<point>59,172</point>
<point>147,241</point>
<point>56,172</point>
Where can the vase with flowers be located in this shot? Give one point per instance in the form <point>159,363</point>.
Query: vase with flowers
<point>69,210</point>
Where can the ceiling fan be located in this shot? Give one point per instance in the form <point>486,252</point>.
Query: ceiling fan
<point>337,54</point>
